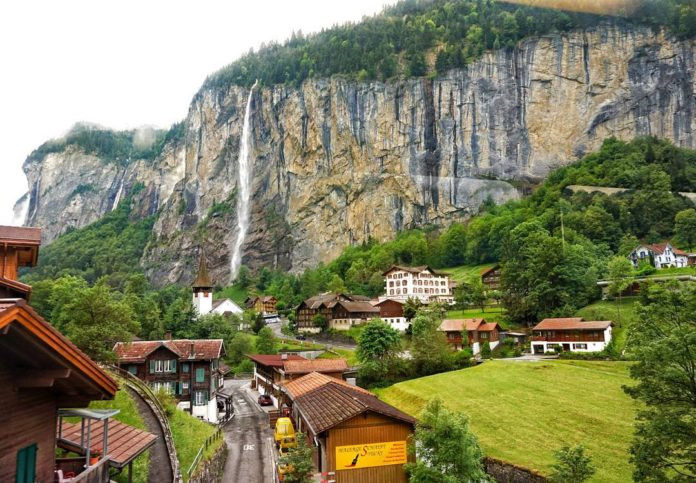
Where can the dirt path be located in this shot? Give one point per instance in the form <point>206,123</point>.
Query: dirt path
<point>160,468</point>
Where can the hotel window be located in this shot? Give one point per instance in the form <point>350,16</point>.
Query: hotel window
<point>580,346</point>
<point>200,398</point>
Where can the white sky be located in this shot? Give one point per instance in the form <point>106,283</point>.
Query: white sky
<point>127,63</point>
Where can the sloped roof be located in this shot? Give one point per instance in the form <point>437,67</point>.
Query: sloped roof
<point>137,351</point>
<point>417,269</point>
<point>400,302</point>
<point>314,365</point>
<point>459,325</point>
<point>333,403</point>
<point>659,248</point>
<point>572,323</point>
<point>203,277</point>
<point>330,299</point>
<point>23,234</point>
<point>124,442</point>
<point>314,380</point>
<point>17,315</point>
<point>360,306</point>
<point>488,327</point>
<point>217,303</point>
<point>15,285</point>
<point>274,360</point>
<point>488,270</point>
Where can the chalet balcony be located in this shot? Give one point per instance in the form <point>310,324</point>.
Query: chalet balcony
<point>568,338</point>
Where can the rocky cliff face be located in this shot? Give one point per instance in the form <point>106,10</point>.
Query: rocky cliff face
<point>337,162</point>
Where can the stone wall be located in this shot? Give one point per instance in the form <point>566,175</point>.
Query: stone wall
<point>504,472</point>
<point>211,471</point>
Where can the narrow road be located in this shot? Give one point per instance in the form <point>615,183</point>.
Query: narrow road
<point>276,328</point>
<point>249,439</point>
<point>160,468</point>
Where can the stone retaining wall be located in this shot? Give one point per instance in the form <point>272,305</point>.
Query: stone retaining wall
<point>211,471</point>
<point>503,472</point>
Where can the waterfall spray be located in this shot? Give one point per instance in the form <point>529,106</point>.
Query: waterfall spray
<point>244,191</point>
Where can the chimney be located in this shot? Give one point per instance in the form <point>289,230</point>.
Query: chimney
<point>168,335</point>
<point>192,350</point>
<point>284,356</point>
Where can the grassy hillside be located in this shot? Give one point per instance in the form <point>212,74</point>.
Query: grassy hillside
<point>466,273</point>
<point>522,411</point>
<point>623,315</point>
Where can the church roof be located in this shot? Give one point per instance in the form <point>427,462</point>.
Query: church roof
<point>203,278</point>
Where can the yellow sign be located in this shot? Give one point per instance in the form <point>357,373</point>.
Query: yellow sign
<point>369,455</point>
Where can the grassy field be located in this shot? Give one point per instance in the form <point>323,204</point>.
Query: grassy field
<point>491,314</point>
<point>465,273</point>
<point>347,354</point>
<point>129,415</point>
<point>189,434</point>
<point>234,292</point>
<point>523,411</point>
<point>623,315</point>
<point>666,272</point>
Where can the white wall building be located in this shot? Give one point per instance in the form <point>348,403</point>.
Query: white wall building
<point>203,294</point>
<point>422,283</point>
<point>660,255</point>
<point>571,334</point>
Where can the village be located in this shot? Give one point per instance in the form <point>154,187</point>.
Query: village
<point>288,393</point>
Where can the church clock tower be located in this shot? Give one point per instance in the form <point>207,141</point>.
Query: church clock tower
<point>202,288</point>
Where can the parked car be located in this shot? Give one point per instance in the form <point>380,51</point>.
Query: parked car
<point>301,337</point>
<point>284,434</point>
<point>265,400</point>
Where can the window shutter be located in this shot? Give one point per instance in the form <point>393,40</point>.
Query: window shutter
<point>26,465</point>
<point>152,367</point>
<point>173,366</point>
<point>200,375</point>
<point>185,367</point>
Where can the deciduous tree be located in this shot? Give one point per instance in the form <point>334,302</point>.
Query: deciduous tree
<point>572,465</point>
<point>266,341</point>
<point>685,228</point>
<point>664,446</point>
<point>378,342</point>
<point>447,450</point>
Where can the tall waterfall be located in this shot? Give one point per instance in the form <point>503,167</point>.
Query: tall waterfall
<point>244,191</point>
<point>117,199</point>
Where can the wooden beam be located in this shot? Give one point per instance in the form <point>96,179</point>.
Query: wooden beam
<point>39,377</point>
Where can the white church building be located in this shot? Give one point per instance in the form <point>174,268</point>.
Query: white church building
<point>203,301</point>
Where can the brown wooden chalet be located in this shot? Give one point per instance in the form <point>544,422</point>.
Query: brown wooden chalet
<point>188,369</point>
<point>337,308</point>
<point>346,423</point>
<point>490,277</point>
<point>40,372</point>
<point>264,304</point>
<point>270,371</point>
<point>478,331</point>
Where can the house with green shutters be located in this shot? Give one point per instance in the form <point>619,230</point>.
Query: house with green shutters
<point>188,369</point>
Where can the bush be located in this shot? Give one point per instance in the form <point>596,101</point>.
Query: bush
<point>463,358</point>
<point>486,352</point>
<point>245,366</point>
<point>167,400</point>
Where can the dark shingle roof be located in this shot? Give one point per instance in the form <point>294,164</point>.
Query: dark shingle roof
<point>203,278</point>
<point>333,403</point>
<point>137,351</point>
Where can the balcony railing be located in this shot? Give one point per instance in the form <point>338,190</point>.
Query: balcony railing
<point>566,338</point>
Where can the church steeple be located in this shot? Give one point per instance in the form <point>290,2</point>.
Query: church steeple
<point>202,281</point>
<point>202,288</point>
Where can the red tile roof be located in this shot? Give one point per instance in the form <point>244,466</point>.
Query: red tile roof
<point>659,248</point>
<point>458,325</point>
<point>23,234</point>
<point>332,404</point>
<point>489,327</point>
<point>314,365</point>
<point>312,381</point>
<point>124,442</point>
<point>274,360</point>
<point>572,323</point>
<point>137,351</point>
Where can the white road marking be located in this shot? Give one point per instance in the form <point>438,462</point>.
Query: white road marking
<point>248,447</point>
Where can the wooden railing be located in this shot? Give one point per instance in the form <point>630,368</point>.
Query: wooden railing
<point>151,399</point>
<point>199,456</point>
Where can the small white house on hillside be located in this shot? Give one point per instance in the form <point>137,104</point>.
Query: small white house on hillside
<point>660,255</point>
<point>571,334</point>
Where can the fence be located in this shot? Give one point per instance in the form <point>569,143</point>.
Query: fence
<point>199,456</point>
<point>160,413</point>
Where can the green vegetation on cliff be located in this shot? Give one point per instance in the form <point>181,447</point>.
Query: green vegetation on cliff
<point>120,147</point>
<point>399,41</point>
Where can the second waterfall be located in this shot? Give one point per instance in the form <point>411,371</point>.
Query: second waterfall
<point>244,163</point>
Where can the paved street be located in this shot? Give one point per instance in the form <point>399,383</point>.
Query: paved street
<point>249,439</point>
<point>275,327</point>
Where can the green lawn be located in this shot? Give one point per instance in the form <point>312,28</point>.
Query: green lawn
<point>347,354</point>
<point>666,272</point>
<point>623,315</point>
<point>129,415</point>
<point>234,292</point>
<point>491,314</point>
<point>465,273</point>
<point>523,411</point>
<point>189,434</point>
